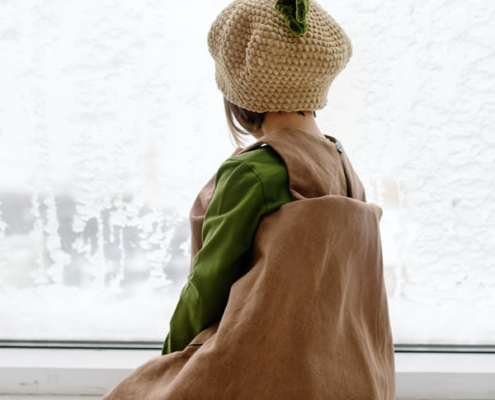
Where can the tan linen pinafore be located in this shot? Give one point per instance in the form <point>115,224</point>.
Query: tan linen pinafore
<point>309,319</point>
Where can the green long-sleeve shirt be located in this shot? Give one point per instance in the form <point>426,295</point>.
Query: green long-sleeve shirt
<point>247,186</point>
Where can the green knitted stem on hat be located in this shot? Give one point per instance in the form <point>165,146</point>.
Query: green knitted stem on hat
<point>294,13</point>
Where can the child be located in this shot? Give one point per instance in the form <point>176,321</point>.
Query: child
<point>285,298</point>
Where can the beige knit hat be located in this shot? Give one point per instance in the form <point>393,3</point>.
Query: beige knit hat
<point>277,56</point>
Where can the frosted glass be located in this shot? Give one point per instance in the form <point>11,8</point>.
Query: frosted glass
<point>111,122</point>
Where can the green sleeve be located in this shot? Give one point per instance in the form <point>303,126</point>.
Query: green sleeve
<point>231,219</point>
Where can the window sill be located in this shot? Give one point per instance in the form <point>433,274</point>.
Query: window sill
<point>92,372</point>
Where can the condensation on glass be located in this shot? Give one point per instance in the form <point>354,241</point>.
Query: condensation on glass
<point>109,126</point>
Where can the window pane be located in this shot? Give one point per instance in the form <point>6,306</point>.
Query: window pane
<point>111,122</point>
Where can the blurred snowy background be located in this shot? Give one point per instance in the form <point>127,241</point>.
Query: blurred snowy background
<point>111,122</point>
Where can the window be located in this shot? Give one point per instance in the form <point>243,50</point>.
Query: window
<point>102,153</point>
<point>111,122</point>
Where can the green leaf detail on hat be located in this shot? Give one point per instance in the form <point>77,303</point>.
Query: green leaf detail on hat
<point>294,13</point>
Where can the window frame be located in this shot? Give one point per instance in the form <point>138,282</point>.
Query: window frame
<point>91,368</point>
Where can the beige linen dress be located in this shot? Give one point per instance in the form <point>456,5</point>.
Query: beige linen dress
<point>309,319</point>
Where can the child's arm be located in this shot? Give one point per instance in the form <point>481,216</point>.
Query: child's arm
<point>230,223</point>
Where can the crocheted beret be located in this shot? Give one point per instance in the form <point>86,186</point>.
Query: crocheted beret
<point>277,56</point>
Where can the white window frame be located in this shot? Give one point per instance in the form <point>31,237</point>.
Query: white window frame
<point>72,372</point>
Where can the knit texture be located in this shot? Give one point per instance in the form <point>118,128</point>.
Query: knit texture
<point>263,65</point>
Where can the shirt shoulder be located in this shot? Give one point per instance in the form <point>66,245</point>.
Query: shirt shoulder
<point>271,170</point>
<point>265,162</point>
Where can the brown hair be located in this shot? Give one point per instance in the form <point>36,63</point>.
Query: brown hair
<point>249,120</point>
